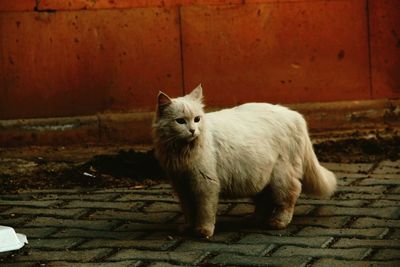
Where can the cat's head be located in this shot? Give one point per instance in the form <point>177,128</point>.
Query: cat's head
<point>180,118</point>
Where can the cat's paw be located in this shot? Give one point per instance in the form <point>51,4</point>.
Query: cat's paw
<point>205,231</point>
<point>276,224</point>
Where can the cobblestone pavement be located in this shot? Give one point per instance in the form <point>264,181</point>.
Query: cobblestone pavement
<point>359,226</point>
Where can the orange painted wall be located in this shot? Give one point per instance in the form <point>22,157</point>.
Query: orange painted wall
<point>80,57</point>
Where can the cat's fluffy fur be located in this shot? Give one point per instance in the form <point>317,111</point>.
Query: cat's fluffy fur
<point>255,150</point>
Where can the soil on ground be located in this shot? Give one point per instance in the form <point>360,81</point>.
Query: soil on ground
<point>111,167</point>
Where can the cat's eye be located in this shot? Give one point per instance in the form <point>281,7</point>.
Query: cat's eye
<point>180,121</point>
<point>197,119</point>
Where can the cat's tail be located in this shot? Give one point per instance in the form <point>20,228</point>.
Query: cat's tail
<point>317,180</point>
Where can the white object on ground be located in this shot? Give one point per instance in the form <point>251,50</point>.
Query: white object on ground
<point>9,240</point>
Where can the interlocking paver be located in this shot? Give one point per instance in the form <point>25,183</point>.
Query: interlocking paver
<point>387,212</point>
<point>97,264</point>
<point>358,226</point>
<point>371,243</point>
<point>343,232</point>
<point>159,217</point>
<point>348,253</point>
<point>104,205</point>
<point>67,213</point>
<point>127,243</point>
<point>74,232</point>
<point>371,189</point>
<point>328,262</point>
<point>69,223</point>
<point>29,203</point>
<point>328,221</point>
<point>341,203</point>
<point>54,244</point>
<point>303,241</point>
<point>70,255</point>
<point>227,259</point>
<point>246,249</point>
<point>387,254</point>
<point>185,257</point>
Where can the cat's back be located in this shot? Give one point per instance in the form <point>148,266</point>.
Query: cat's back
<point>253,114</point>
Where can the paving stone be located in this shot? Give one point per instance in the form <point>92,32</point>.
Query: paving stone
<point>85,224</point>
<point>342,203</point>
<point>344,181</point>
<point>84,196</point>
<point>163,264</point>
<point>71,255</point>
<point>175,207</point>
<point>127,243</point>
<point>283,240</point>
<point>343,232</point>
<point>228,259</point>
<point>371,189</point>
<point>349,253</point>
<point>390,163</point>
<point>302,210</point>
<point>395,190</point>
<point>25,264</point>
<point>61,191</point>
<point>354,242</point>
<point>14,221</point>
<point>160,217</point>
<point>132,226</point>
<point>346,263</point>
<point>163,207</point>
<point>73,232</point>
<point>374,222</point>
<point>388,212</point>
<point>384,203</point>
<point>192,257</point>
<point>386,175</point>
<point>97,264</point>
<point>395,234</point>
<point>387,254</point>
<point>54,244</point>
<point>104,205</point>
<point>141,197</point>
<point>380,181</point>
<point>67,213</point>
<point>331,221</point>
<point>348,167</point>
<point>245,249</point>
<point>288,231</point>
<point>30,203</point>
<point>161,186</point>
<point>387,168</point>
<point>357,196</point>
<point>36,232</point>
<point>350,176</point>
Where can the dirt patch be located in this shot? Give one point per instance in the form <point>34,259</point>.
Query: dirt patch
<point>91,167</point>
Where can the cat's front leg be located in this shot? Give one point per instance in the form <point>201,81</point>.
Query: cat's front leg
<point>206,198</point>
<point>187,203</point>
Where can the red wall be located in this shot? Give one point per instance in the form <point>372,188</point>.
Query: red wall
<point>79,57</point>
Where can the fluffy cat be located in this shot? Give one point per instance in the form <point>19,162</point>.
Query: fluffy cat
<point>255,150</point>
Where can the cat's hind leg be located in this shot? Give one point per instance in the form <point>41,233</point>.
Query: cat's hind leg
<point>283,191</point>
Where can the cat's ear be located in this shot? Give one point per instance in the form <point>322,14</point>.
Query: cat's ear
<point>197,93</point>
<point>163,99</point>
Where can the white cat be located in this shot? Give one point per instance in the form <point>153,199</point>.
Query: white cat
<point>255,150</point>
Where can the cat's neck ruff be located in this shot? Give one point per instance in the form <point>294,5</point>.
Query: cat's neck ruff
<point>178,155</point>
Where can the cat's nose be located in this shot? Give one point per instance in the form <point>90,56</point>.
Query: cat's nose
<point>192,131</point>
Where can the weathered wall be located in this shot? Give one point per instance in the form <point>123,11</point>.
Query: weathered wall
<point>82,57</point>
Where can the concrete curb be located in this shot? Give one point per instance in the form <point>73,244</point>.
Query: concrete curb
<point>333,119</point>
